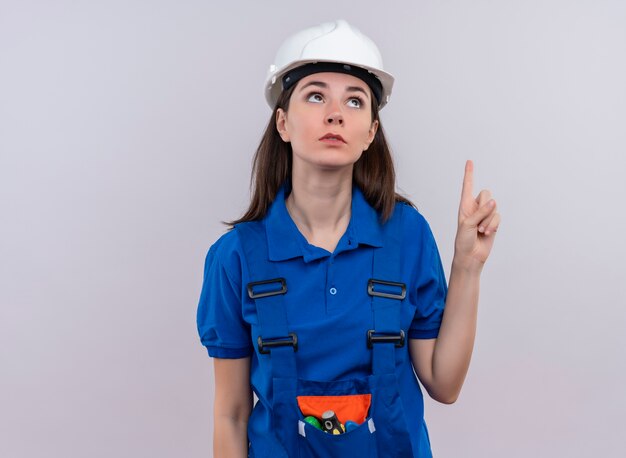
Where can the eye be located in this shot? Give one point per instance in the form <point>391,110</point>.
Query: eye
<point>315,97</point>
<point>355,102</point>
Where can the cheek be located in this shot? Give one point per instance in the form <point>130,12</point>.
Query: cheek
<point>300,129</point>
<point>365,134</point>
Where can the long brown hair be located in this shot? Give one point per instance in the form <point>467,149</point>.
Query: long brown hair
<point>373,173</point>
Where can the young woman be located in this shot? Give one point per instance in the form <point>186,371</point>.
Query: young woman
<point>329,296</point>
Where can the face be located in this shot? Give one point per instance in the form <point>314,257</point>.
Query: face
<point>329,122</point>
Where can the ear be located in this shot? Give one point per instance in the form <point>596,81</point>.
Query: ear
<point>281,120</point>
<point>371,134</point>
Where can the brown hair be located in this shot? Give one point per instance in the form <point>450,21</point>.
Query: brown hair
<point>373,173</point>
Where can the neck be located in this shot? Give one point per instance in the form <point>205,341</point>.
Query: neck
<point>320,204</point>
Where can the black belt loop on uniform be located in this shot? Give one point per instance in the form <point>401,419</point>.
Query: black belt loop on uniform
<point>266,345</point>
<point>397,339</point>
<point>370,289</point>
<point>253,295</point>
<point>291,339</point>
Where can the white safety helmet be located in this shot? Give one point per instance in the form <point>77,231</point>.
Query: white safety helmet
<point>331,46</point>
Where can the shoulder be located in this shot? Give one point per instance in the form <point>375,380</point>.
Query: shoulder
<point>230,249</point>
<point>226,243</point>
<point>413,230</point>
<point>226,252</point>
<point>410,220</point>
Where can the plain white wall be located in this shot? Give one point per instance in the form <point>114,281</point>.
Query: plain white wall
<point>126,134</point>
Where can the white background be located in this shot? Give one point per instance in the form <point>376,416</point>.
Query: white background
<point>126,134</point>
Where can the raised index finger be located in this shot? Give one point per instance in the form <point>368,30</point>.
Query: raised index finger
<point>468,181</point>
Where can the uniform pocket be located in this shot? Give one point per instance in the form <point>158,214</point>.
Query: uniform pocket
<point>354,407</point>
<point>360,442</point>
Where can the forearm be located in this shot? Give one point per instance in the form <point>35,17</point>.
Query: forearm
<point>230,438</point>
<point>454,345</point>
<point>233,404</point>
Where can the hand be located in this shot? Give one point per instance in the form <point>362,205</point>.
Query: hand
<point>478,223</point>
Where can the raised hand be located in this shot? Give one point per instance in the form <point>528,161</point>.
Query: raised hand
<point>478,223</point>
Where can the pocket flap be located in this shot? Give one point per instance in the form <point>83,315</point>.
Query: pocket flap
<point>354,407</point>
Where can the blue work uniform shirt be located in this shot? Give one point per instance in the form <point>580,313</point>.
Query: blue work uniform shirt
<point>327,302</point>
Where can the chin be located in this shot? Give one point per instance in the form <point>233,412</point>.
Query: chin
<point>336,160</point>
<point>335,164</point>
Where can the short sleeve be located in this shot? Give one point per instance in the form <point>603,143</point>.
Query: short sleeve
<point>431,293</point>
<point>221,326</point>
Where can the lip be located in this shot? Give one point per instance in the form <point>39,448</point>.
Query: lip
<point>332,138</point>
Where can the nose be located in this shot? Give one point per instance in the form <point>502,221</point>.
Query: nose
<point>334,117</point>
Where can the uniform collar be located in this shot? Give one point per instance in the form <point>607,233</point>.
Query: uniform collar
<point>286,242</point>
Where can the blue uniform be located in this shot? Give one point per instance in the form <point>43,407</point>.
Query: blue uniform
<point>328,307</point>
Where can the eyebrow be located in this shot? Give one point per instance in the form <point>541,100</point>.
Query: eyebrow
<point>325,86</point>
